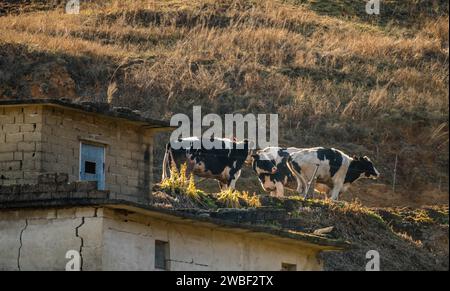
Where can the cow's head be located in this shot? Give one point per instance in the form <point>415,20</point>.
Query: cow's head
<point>367,168</point>
<point>262,164</point>
<point>267,182</point>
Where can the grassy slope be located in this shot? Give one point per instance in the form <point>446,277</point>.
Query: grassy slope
<point>337,77</point>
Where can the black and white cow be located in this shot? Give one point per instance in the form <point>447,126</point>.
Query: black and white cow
<point>270,164</point>
<point>222,163</point>
<point>334,168</point>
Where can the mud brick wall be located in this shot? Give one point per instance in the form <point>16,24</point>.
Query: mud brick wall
<point>46,139</point>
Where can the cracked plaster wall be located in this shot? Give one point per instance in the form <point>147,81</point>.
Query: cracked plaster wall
<point>40,239</point>
<point>117,240</point>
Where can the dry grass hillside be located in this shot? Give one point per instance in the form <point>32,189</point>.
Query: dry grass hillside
<point>374,85</point>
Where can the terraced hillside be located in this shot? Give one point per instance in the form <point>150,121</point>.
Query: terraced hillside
<point>373,85</point>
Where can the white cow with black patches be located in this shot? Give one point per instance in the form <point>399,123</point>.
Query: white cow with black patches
<point>334,168</point>
<point>270,164</point>
<point>223,163</point>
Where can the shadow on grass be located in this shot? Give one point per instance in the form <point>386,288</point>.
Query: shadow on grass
<point>27,73</point>
<point>400,13</point>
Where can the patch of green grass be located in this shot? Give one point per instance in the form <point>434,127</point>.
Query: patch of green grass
<point>208,201</point>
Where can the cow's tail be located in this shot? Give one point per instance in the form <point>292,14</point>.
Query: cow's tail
<point>297,173</point>
<point>166,164</point>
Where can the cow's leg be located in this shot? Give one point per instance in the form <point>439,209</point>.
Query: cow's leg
<point>189,168</point>
<point>311,189</point>
<point>166,164</point>
<point>344,189</point>
<point>233,179</point>
<point>334,193</point>
<point>311,183</point>
<point>299,185</point>
<point>279,189</point>
<point>338,185</point>
<point>222,186</point>
<point>300,180</point>
<point>303,185</point>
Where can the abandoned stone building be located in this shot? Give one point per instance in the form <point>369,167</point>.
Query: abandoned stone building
<point>75,183</point>
<point>87,141</point>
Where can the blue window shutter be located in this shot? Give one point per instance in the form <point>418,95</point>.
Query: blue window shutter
<point>92,164</point>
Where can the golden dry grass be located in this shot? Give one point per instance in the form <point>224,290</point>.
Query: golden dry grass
<point>335,76</point>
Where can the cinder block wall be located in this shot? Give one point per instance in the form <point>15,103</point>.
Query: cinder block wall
<point>46,139</point>
<point>20,144</point>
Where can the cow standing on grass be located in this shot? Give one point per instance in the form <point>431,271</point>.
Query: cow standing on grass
<point>222,163</point>
<point>270,165</point>
<point>332,167</point>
